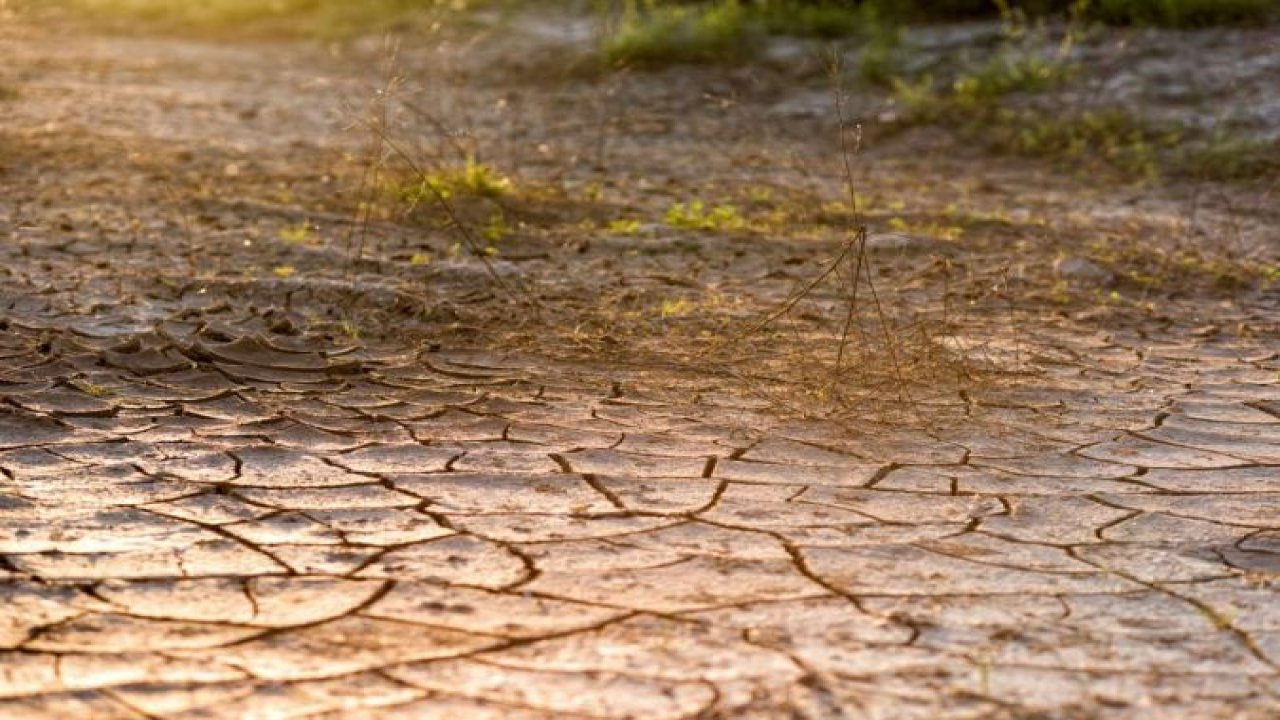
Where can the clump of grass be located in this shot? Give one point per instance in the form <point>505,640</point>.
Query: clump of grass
<point>8,93</point>
<point>1005,73</point>
<point>697,215</point>
<point>1020,65</point>
<point>675,307</point>
<point>624,226</point>
<point>655,34</point>
<point>496,228</point>
<point>1151,267</point>
<point>471,179</point>
<point>300,234</point>
<point>977,91</point>
<point>1114,138</point>
<point>1224,157</point>
<point>840,18</point>
<point>1119,139</point>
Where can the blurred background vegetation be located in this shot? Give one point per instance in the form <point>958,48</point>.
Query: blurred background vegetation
<point>712,18</point>
<point>324,19</point>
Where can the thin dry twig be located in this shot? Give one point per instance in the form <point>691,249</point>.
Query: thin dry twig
<point>862,267</point>
<point>860,236</point>
<point>376,158</point>
<point>851,258</point>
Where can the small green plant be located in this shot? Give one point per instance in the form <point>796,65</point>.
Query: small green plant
<point>474,179</point>
<point>299,234</point>
<point>675,307</point>
<point>697,216</point>
<point>496,228</point>
<point>93,389</point>
<point>919,99</point>
<point>624,226</point>
<point>1007,73</point>
<point>350,328</point>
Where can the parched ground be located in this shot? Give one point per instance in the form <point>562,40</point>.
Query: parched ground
<point>277,441</point>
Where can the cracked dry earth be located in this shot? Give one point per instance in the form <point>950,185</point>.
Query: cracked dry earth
<point>213,513</point>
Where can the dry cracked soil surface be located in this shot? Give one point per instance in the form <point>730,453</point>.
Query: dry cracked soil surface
<point>260,461</point>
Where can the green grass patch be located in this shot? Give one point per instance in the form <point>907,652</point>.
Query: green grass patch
<point>470,179</point>
<point>1005,74</point>
<point>979,90</point>
<point>839,18</point>
<point>1224,157</point>
<point>1089,140</point>
<point>624,226</point>
<point>1117,139</point>
<point>974,103</point>
<point>1141,265</point>
<point>697,215</point>
<point>977,103</point>
<point>664,32</point>
<point>654,35</point>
